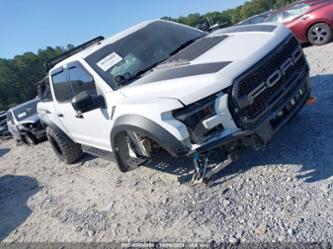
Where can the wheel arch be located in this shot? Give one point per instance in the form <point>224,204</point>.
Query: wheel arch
<point>150,129</point>
<point>49,123</point>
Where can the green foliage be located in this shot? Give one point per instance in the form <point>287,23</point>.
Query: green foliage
<point>248,9</point>
<point>19,75</point>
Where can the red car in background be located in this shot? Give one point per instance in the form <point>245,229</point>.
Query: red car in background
<point>310,20</point>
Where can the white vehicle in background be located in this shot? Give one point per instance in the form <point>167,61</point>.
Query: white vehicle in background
<point>164,85</point>
<point>24,124</point>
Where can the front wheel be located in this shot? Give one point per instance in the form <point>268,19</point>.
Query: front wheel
<point>29,140</point>
<point>66,150</point>
<point>319,34</point>
<point>129,150</point>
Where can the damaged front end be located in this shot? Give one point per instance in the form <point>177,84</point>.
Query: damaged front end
<point>32,132</point>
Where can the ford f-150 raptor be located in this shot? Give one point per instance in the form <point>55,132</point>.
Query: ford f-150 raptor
<point>162,85</point>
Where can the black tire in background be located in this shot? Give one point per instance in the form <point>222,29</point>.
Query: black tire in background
<point>67,151</point>
<point>29,140</point>
<point>319,34</point>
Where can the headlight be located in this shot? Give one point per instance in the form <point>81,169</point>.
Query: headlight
<point>193,115</point>
<point>25,126</point>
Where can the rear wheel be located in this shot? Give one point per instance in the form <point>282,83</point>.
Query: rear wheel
<point>67,151</point>
<point>319,34</point>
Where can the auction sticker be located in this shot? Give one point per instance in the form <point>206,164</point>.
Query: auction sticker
<point>22,114</point>
<point>109,61</point>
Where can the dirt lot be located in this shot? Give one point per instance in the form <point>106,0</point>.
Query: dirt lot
<point>284,193</point>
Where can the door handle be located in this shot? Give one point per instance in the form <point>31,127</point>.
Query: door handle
<point>60,115</point>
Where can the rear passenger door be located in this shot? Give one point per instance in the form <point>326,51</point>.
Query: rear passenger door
<point>92,128</point>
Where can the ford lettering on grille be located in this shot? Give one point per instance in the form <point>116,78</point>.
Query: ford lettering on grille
<point>273,79</point>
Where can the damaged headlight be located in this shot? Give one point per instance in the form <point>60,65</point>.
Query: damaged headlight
<point>193,115</point>
<point>27,126</point>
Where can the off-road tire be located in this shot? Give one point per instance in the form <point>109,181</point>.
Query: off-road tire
<point>18,142</point>
<point>121,150</point>
<point>67,151</point>
<point>319,34</point>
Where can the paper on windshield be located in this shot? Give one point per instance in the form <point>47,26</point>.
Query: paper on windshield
<point>22,114</point>
<point>109,61</point>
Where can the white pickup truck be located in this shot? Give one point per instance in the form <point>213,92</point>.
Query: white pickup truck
<point>164,85</point>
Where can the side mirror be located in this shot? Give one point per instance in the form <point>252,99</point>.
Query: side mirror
<point>84,102</point>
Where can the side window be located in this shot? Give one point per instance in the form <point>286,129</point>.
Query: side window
<point>81,81</point>
<point>62,90</point>
<point>44,92</point>
<point>292,12</point>
<point>306,8</point>
<point>275,18</point>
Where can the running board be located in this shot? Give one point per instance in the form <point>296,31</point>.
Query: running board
<point>107,155</point>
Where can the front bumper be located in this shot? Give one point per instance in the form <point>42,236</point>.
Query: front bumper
<point>39,134</point>
<point>274,120</point>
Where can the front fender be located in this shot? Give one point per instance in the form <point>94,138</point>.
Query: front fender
<point>150,129</point>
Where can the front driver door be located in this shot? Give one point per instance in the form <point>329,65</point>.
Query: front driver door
<point>93,127</point>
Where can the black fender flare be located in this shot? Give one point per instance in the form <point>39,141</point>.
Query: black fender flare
<point>150,129</point>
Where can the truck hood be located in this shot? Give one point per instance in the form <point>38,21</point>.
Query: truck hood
<point>210,64</point>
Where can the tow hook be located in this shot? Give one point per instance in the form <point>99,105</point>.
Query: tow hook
<point>311,100</point>
<point>203,172</point>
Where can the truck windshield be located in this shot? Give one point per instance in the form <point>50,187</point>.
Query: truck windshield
<point>25,111</point>
<point>119,63</point>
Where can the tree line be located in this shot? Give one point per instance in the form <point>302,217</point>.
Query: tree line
<point>19,75</point>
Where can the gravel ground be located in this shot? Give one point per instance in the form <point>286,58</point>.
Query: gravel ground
<point>284,193</point>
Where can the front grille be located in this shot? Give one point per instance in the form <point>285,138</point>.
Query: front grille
<point>258,74</point>
<point>35,127</point>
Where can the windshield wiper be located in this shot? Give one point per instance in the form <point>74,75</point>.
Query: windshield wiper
<point>126,78</point>
<point>159,62</point>
<point>146,69</point>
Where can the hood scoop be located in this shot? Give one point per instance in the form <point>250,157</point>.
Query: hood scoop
<point>196,49</point>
